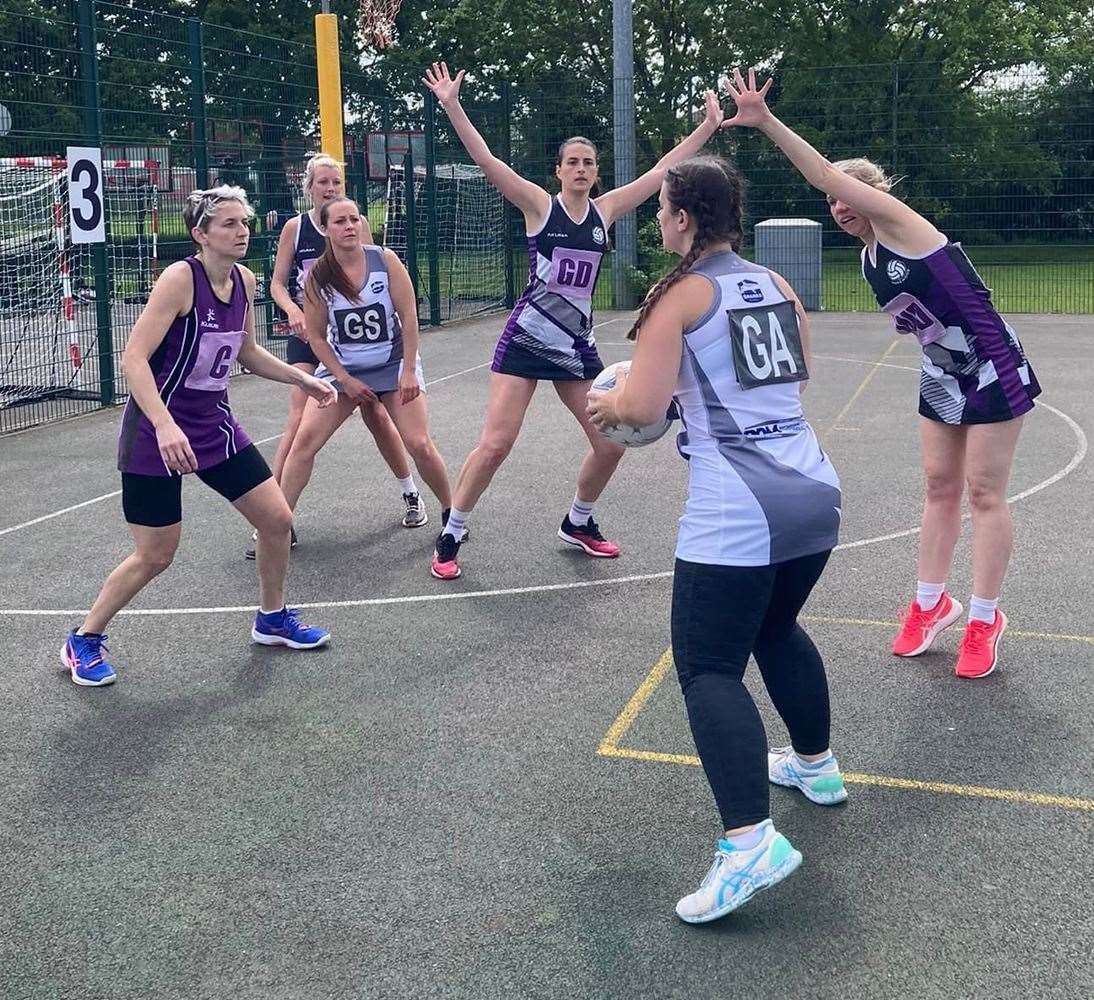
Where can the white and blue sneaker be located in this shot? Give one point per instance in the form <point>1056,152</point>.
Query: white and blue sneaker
<point>821,783</point>
<point>83,656</point>
<point>284,628</point>
<point>737,875</point>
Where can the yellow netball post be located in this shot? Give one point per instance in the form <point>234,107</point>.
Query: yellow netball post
<point>330,83</point>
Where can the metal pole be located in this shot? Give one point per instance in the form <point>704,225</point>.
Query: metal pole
<point>432,236</point>
<point>329,72</point>
<point>626,227</point>
<point>197,103</point>
<point>93,133</point>
<point>507,210</point>
<point>411,216</point>
<point>896,95</point>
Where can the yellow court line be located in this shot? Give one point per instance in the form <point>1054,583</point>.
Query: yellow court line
<point>908,784</point>
<point>609,746</point>
<point>866,379</point>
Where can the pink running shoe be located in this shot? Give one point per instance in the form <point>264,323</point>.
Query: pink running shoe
<point>978,653</point>
<point>921,628</point>
<point>588,537</point>
<point>445,565</point>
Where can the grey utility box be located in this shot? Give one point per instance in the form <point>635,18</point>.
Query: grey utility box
<point>793,248</point>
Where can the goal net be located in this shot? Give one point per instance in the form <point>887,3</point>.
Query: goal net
<point>48,328</point>
<point>470,239</point>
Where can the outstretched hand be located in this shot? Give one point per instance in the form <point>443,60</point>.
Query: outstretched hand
<point>445,88</point>
<point>752,109</point>
<point>714,113</point>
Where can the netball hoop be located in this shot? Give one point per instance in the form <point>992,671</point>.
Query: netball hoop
<point>377,22</point>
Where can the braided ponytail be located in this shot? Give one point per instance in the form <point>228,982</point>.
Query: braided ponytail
<point>711,191</point>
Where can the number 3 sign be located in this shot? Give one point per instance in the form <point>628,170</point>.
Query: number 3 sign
<point>86,218</point>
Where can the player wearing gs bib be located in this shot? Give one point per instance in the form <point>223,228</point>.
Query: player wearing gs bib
<point>365,333</point>
<point>198,322</point>
<point>728,341</point>
<point>299,246</point>
<point>549,334</point>
<point>975,388</point>
<point>362,321</point>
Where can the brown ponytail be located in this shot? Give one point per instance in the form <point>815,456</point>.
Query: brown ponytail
<point>327,273</point>
<point>711,191</point>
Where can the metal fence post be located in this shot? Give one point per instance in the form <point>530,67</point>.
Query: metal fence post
<point>507,210</point>
<point>896,95</point>
<point>431,209</point>
<point>411,216</point>
<point>93,136</point>
<point>197,103</point>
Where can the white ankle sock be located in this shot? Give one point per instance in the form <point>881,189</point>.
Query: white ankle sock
<point>456,521</point>
<point>408,485</point>
<point>927,595</point>
<point>580,511</point>
<point>982,609</point>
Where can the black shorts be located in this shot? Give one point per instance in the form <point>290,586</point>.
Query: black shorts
<point>299,352</point>
<point>156,501</point>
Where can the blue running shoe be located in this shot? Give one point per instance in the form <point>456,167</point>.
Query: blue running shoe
<point>284,628</point>
<point>737,875</point>
<point>83,656</point>
<point>822,784</point>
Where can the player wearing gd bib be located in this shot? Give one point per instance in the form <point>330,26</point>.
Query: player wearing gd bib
<point>362,323</point>
<point>728,341</point>
<point>548,336</point>
<point>975,388</point>
<point>299,246</point>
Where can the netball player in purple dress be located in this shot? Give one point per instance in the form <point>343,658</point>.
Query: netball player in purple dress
<point>549,335</point>
<point>199,321</point>
<point>975,387</point>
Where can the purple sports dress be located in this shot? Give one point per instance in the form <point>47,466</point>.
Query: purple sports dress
<point>191,367</point>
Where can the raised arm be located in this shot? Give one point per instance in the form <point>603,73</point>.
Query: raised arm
<point>530,198</point>
<point>891,219</point>
<point>620,201</point>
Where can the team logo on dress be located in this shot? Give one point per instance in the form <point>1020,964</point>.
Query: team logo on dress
<point>210,318</point>
<point>750,291</point>
<point>897,271</point>
<point>377,287</point>
<point>598,236</point>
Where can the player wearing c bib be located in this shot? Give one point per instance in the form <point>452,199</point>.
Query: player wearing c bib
<point>299,246</point>
<point>362,323</point>
<point>975,388</point>
<point>198,322</point>
<point>549,334</point>
<point>728,341</point>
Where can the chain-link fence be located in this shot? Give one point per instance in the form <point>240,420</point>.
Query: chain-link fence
<point>1004,166</point>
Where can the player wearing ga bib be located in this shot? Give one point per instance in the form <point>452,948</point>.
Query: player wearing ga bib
<point>974,368</point>
<point>365,334</point>
<point>192,366</point>
<point>549,333</point>
<point>760,488</point>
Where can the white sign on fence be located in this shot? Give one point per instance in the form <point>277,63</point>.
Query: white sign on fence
<point>86,216</point>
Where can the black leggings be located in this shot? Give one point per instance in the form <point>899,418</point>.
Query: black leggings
<point>720,616</point>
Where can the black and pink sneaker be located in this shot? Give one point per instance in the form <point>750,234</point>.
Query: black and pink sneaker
<point>587,536</point>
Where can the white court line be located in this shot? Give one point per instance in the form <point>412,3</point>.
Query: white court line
<point>1076,459</point>
<point>118,493</point>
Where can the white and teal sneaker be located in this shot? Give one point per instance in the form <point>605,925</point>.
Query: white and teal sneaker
<point>823,784</point>
<point>738,874</point>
